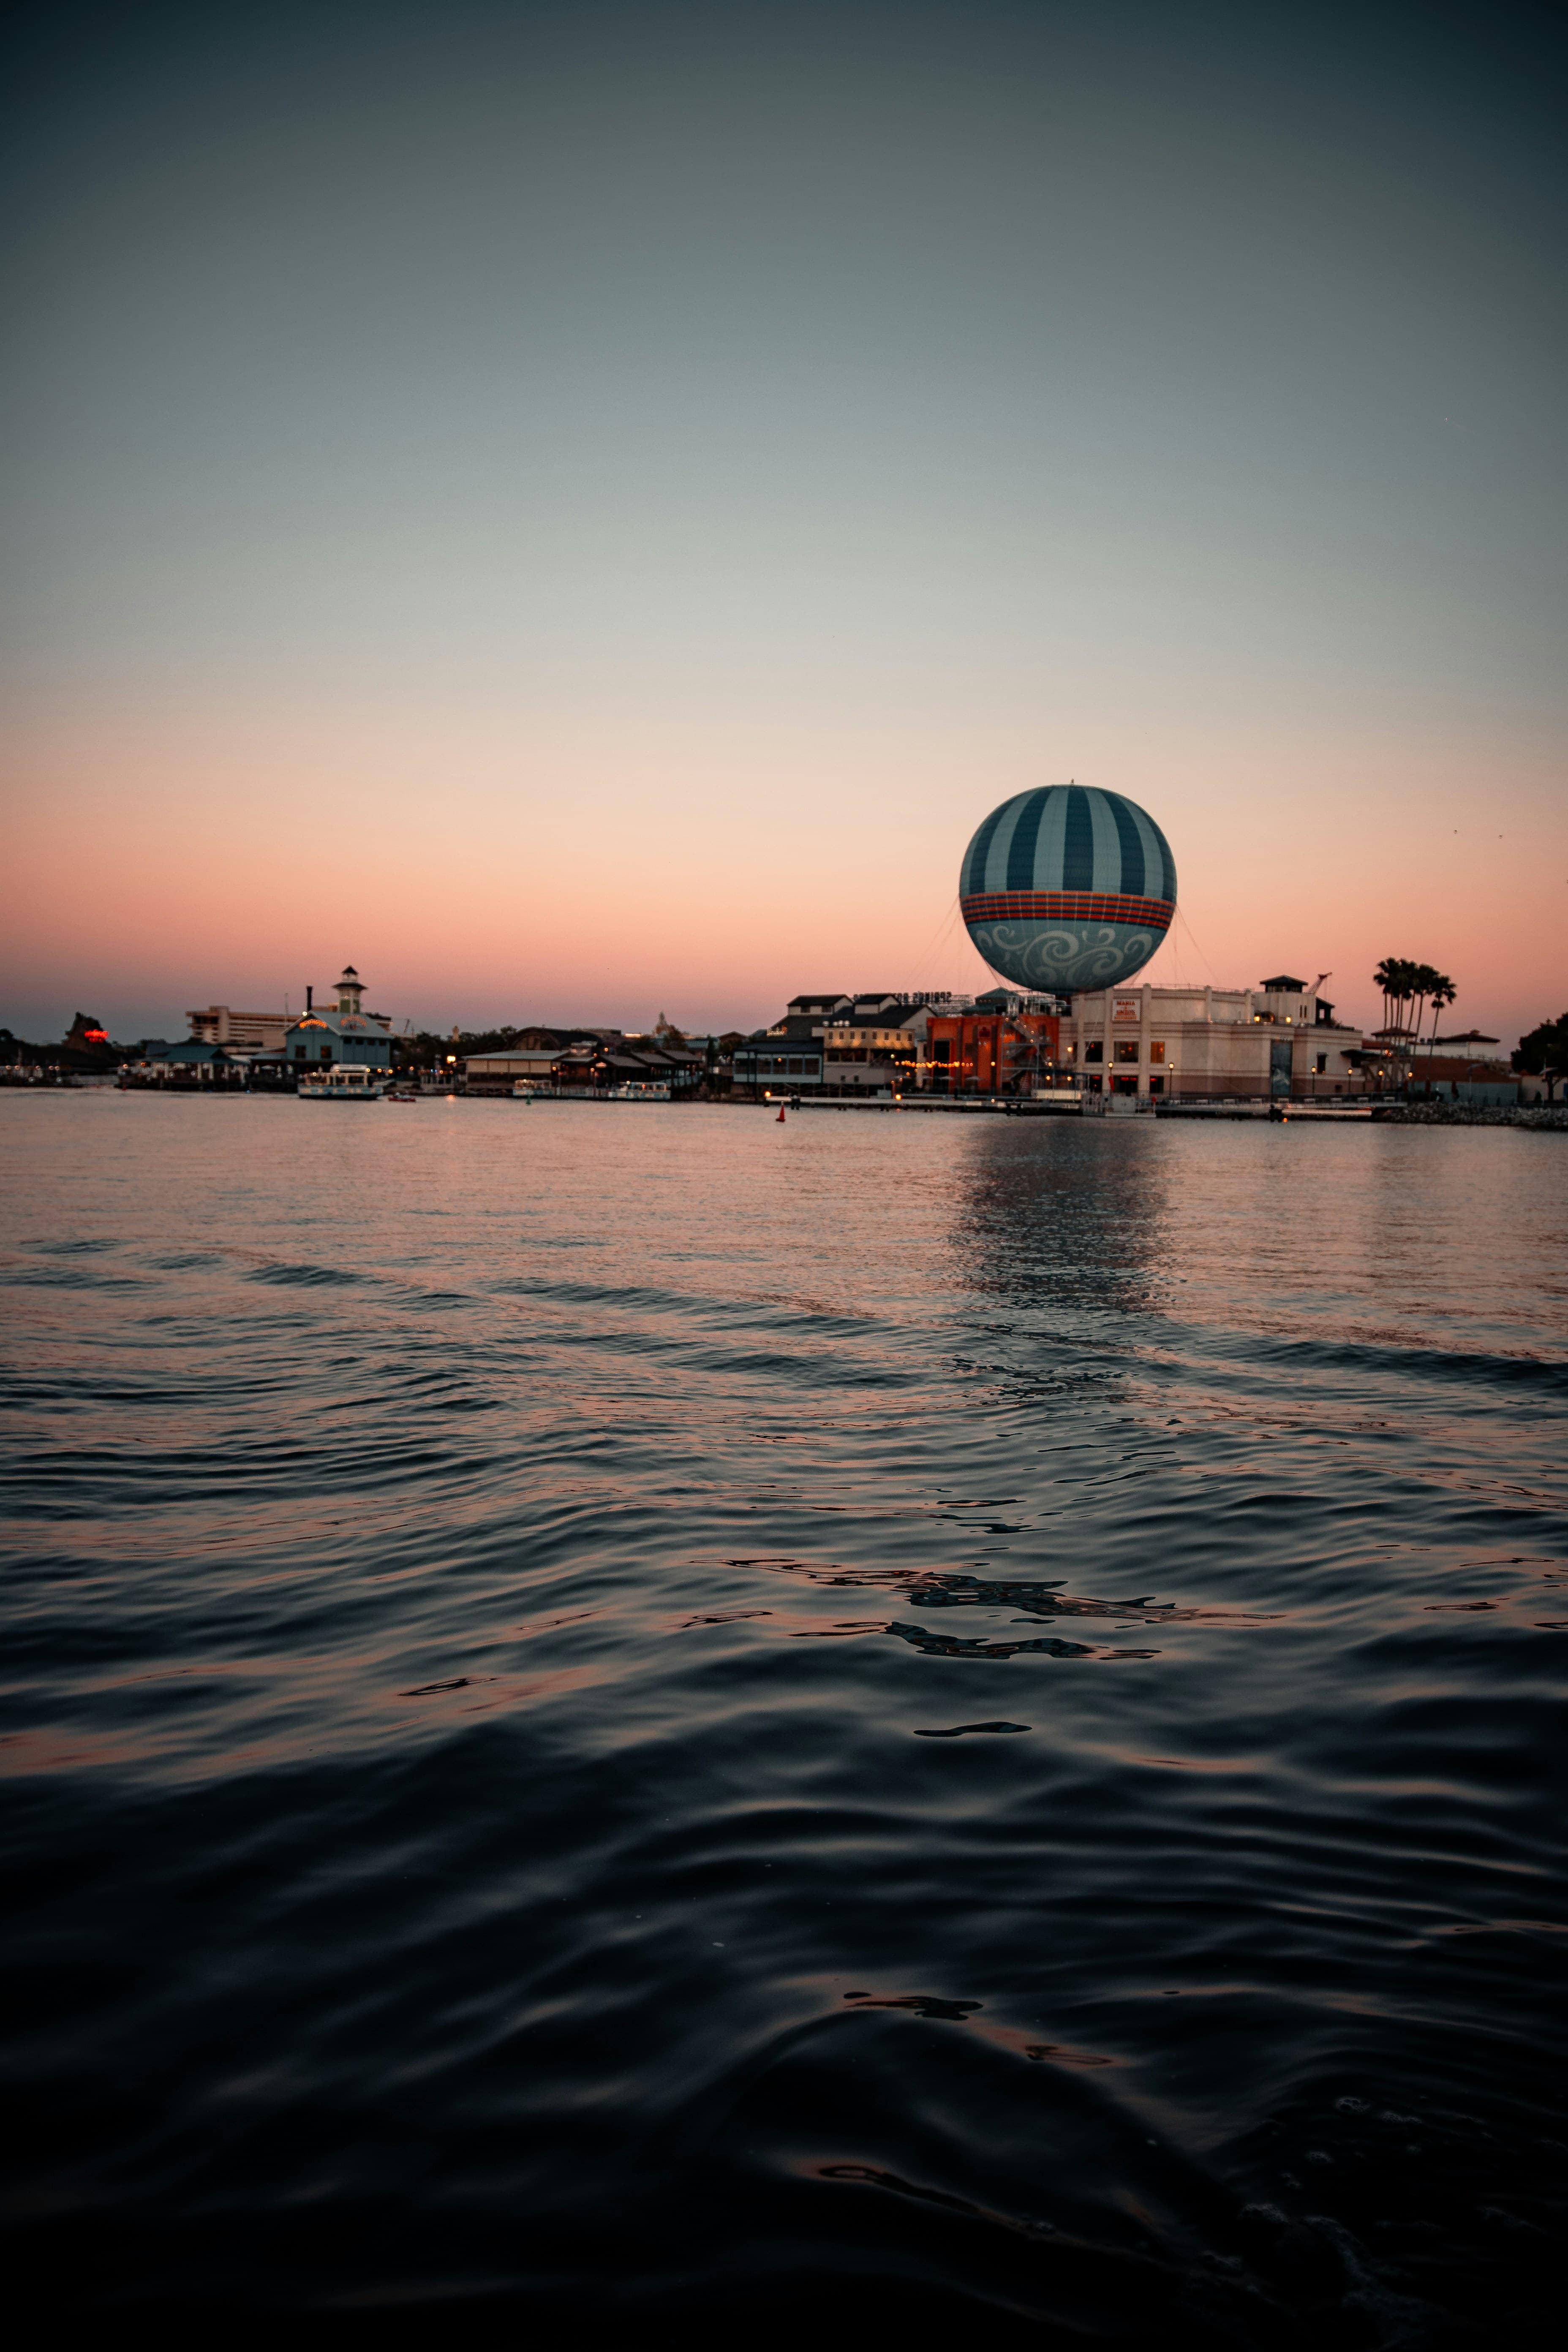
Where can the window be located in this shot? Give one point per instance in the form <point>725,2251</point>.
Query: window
<point>1127,1049</point>
<point>1156,1086</point>
<point>1322,1065</point>
<point>1094,1050</point>
<point>794,1065</point>
<point>1124,1085</point>
<point>1157,1050</point>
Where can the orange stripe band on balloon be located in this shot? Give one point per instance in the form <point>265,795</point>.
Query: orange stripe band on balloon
<point>1066,906</point>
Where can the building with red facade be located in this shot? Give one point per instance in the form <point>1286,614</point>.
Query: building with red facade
<point>991,1052</point>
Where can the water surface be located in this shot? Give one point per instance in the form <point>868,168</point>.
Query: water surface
<point>896,1720</point>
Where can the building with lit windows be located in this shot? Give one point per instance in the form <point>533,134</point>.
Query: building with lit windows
<point>997,1047</point>
<point>841,1043</point>
<point>261,1032</point>
<point>345,1034</point>
<point>1280,1038</point>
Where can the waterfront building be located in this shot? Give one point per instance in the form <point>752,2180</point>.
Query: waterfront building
<point>344,1035</point>
<point>533,1054</point>
<point>994,1050</point>
<point>1468,1067</point>
<point>195,1061</point>
<point>1280,1038</point>
<point>875,1045</point>
<point>642,1063</point>
<point>789,1054</point>
<point>1467,1043</point>
<point>835,1041</point>
<point>1464,1078</point>
<point>592,1059</point>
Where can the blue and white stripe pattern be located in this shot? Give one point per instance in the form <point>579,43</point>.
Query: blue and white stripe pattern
<point>1065,888</point>
<point>1070,837</point>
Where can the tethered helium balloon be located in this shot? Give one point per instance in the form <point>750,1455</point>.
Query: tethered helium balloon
<point>1064,888</point>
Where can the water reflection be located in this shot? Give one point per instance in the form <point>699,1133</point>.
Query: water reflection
<point>1065,1215</point>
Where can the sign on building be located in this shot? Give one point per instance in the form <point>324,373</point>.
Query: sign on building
<point>1126,1008</point>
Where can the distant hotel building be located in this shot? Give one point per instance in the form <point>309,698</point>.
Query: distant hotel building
<point>261,1032</point>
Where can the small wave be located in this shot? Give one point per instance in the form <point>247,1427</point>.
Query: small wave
<point>304,1278</point>
<point>962,1730</point>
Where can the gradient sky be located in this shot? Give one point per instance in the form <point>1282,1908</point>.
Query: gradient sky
<point>581,510</point>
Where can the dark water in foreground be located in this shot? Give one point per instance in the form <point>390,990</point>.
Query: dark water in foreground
<point>894,1723</point>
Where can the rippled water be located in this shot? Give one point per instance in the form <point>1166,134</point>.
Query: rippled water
<point>886,1721</point>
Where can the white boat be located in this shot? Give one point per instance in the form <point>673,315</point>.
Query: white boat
<point>638,1091</point>
<point>344,1082</point>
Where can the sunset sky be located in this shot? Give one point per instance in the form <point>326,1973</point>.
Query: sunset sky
<point>583,509</point>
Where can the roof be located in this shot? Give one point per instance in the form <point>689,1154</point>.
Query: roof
<point>649,1063</point>
<point>800,1027</point>
<point>550,1053</point>
<point>191,1049</point>
<point>538,1038</point>
<point>1027,999</point>
<point>901,1018</point>
<point>1283,985</point>
<point>1068,837</point>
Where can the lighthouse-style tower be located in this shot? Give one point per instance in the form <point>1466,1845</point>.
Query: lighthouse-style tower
<point>346,1035</point>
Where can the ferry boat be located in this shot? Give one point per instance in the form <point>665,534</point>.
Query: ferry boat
<point>639,1091</point>
<point>344,1082</point>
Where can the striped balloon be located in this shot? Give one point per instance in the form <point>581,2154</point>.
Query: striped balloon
<point>1064,887</point>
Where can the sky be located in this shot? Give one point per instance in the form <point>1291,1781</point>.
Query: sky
<point>581,510</point>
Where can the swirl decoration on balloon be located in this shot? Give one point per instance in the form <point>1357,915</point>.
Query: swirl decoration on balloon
<point>1067,887</point>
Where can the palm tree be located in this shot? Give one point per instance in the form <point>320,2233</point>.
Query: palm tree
<point>1423,980</point>
<point>1403,990</point>
<point>1442,993</point>
<point>1409,980</point>
<point>1386,977</point>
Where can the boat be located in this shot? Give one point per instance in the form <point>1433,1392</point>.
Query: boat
<point>638,1091</point>
<point>345,1082</point>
